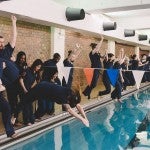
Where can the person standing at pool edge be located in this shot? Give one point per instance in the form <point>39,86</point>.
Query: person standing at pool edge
<point>95,57</point>
<point>59,94</point>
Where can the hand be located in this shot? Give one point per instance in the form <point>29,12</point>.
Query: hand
<point>85,122</point>
<point>78,45</point>
<point>4,65</point>
<point>25,91</point>
<point>13,18</point>
<point>122,80</point>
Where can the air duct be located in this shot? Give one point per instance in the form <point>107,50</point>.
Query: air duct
<point>75,14</point>
<point>142,37</point>
<point>109,26</point>
<point>128,32</point>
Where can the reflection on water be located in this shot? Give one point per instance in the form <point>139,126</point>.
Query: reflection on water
<point>142,136</point>
<point>113,127</point>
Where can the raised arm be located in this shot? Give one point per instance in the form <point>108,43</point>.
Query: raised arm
<point>97,48</point>
<point>77,50</point>
<point>76,115</point>
<point>122,56</point>
<point>14,31</point>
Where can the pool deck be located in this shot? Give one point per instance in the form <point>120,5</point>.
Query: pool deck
<point>50,122</point>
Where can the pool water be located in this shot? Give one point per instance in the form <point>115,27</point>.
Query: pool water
<point>113,127</point>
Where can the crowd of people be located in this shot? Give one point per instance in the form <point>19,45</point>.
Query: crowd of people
<point>24,84</point>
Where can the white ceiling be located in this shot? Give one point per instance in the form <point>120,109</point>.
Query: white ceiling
<point>128,14</point>
<point>119,10</point>
<point>140,14</point>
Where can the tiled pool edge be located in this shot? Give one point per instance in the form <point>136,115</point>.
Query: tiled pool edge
<point>49,123</point>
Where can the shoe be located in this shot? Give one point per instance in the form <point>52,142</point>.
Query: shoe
<point>84,93</point>
<point>100,94</point>
<point>89,97</point>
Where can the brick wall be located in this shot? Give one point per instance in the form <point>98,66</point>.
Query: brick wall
<point>83,60</point>
<point>144,52</point>
<point>129,50</point>
<point>32,38</point>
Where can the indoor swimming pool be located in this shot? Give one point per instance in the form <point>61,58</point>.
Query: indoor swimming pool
<point>116,126</point>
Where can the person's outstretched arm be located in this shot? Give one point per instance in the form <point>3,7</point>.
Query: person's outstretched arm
<point>81,110</point>
<point>14,31</point>
<point>76,115</point>
<point>77,50</point>
<point>97,48</point>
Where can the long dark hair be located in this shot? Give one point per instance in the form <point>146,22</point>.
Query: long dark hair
<point>36,63</point>
<point>19,55</point>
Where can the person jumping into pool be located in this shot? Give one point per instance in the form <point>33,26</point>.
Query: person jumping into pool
<point>59,94</point>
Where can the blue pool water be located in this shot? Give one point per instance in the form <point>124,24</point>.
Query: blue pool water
<point>113,127</point>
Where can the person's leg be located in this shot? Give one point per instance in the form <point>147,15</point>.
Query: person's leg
<point>50,107</point>
<point>25,109</point>
<point>117,92</point>
<point>31,116</point>
<point>113,94</point>
<point>41,108</point>
<point>6,117</point>
<point>107,85</point>
<point>12,98</point>
<point>94,80</point>
<point>88,89</point>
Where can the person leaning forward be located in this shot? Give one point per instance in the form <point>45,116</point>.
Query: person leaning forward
<point>61,95</point>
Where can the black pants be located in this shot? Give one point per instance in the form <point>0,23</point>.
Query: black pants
<point>44,106</point>
<point>106,83</point>
<point>27,109</point>
<point>126,81</point>
<point>12,93</point>
<point>6,116</point>
<point>116,93</point>
<point>93,84</point>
